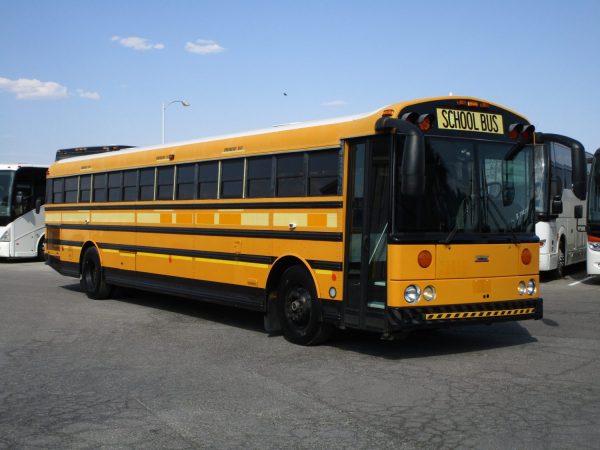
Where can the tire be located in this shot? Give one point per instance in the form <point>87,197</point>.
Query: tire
<point>41,250</point>
<point>299,309</point>
<point>92,280</point>
<point>559,272</point>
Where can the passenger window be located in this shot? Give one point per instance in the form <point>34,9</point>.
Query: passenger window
<point>147,184</point>
<point>85,188</point>
<point>57,190</point>
<point>71,185</point>
<point>232,174</point>
<point>323,173</point>
<point>164,190</point>
<point>130,187</point>
<point>100,187</point>
<point>48,191</point>
<point>185,182</point>
<point>258,177</point>
<point>208,174</point>
<point>115,189</point>
<point>290,175</point>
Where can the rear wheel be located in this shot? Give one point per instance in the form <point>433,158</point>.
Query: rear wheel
<point>41,250</point>
<point>92,276</point>
<point>559,272</point>
<point>299,309</point>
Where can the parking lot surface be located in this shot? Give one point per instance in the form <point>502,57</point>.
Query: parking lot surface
<point>148,371</point>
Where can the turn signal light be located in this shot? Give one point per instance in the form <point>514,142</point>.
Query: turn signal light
<point>411,117</point>
<point>425,259</point>
<point>387,113</point>
<point>425,121</point>
<point>526,256</point>
<point>514,130</point>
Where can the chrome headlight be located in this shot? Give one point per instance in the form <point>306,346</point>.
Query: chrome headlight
<point>412,293</point>
<point>531,287</point>
<point>429,293</point>
<point>521,288</point>
<point>595,246</point>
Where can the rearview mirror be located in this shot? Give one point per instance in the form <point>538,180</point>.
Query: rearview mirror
<point>556,207</point>
<point>38,205</point>
<point>578,212</point>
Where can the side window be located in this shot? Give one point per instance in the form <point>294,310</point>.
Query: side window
<point>147,184</point>
<point>48,191</point>
<point>71,185</point>
<point>100,187</point>
<point>208,174</point>
<point>115,186</point>
<point>58,188</point>
<point>323,172</point>
<point>290,175</point>
<point>130,187</point>
<point>85,188</point>
<point>232,174</point>
<point>164,189</point>
<point>258,177</point>
<point>186,175</point>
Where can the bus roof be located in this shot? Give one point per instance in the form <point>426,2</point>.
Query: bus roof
<point>287,137</point>
<point>19,166</point>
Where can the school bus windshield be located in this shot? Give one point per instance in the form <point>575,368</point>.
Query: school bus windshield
<point>471,188</point>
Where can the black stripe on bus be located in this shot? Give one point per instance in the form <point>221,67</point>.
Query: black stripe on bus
<point>189,253</point>
<point>221,206</point>
<point>301,235</point>
<point>260,259</point>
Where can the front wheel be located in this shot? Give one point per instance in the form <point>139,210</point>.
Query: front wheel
<point>559,272</point>
<point>299,309</point>
<point>92,276</point>
<point>42,255</point>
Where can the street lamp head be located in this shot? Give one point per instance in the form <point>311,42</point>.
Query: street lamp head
<point>185,103</point>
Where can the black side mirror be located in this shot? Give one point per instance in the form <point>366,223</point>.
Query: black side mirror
<point>38,205</point>
<point>556,187</point>
<point>578,212</point>
<point>556,206</point>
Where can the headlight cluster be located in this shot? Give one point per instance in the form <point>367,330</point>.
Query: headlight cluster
<point>595,246</point>
<point>5,236</point>
<point>528,288</point>
<point>413,293</point>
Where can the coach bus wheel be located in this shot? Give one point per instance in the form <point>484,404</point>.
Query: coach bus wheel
<point>41,250</point>
<point>92,276</point>
<point>299,309</point>
<point>559,272</point>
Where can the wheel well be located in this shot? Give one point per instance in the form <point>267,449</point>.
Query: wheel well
<point>280,266</point>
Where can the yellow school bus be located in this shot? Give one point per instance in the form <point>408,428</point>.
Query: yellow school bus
<point>418,215</point>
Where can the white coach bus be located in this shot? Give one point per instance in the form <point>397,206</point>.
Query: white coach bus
<point>560,181</point>
<point>593,215</point>
<point>22,194</point>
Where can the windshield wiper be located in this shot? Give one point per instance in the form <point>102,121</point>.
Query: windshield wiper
<point>506,224</point>
<point>454,230</point>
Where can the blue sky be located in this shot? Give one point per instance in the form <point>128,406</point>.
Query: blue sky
<point>82,73</point>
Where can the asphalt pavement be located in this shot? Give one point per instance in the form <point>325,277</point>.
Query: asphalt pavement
<point>148,371</point>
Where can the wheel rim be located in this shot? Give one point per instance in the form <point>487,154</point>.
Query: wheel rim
<point>298,306</point>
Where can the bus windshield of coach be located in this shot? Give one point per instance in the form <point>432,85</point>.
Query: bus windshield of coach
<point>594,193</point>
<point>470,188</point>
<point>6,182</point>
<point>542,180</point>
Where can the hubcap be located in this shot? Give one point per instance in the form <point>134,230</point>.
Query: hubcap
<point>297,306</point>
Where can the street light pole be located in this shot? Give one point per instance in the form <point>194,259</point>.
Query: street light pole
<point>164,107</point>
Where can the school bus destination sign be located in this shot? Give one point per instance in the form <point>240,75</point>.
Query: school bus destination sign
<point>480,122</point>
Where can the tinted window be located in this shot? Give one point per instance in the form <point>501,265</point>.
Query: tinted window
<point>147,184</point>
<point>165,183</point>
<point>115,192</point>
<point>100,187</point>
<point>323,173</point>
<point>232,174</point>
<point>208,174</point>
<point>48,191</point>
<point>85,186</point>
<point>58,187</point>
<point>71,185</point>
<point>258,178</point>
<point>186,176</point>
<point>290,175</point>
<point>130,185</point>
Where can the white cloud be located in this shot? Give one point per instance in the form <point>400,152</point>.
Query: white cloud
<point>203,47</point>
<point>335,103</point>
<point>26,89</point>
<point>88,94</point>
<point>137,43</point>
